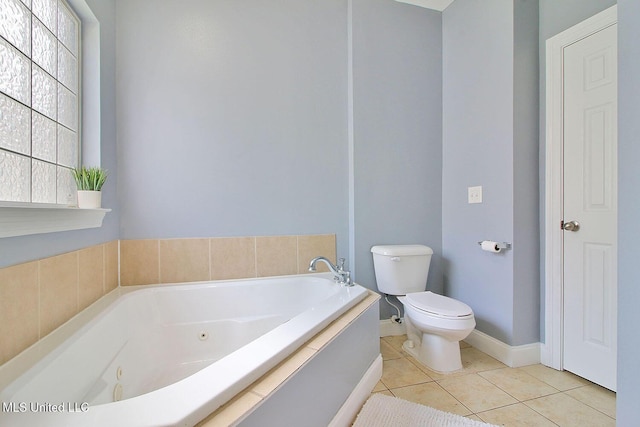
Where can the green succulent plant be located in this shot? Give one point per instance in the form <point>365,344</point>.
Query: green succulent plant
<point>89,179</point>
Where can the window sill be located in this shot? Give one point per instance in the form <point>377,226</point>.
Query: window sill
<point>23,219</point>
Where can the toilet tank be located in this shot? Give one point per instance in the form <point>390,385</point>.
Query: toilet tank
<point>401,269</point>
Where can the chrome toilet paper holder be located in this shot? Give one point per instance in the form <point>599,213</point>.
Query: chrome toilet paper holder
<point>499,245</point>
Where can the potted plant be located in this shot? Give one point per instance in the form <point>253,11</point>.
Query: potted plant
<point>89,182</point>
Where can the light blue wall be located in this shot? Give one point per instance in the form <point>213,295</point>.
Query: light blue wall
<point>478,126</point>
<point>490,124</point>
<point>232,118</point>
<point>14,250</point>
<point>628,410</point>
<point>397,89</point>
<point>526,232</point>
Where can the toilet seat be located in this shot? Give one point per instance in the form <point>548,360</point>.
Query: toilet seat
<point>439,305</point>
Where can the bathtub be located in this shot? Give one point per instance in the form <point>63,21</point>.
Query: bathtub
<point>169,354</point>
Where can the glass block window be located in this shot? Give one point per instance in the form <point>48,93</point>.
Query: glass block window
<point>39,101</point>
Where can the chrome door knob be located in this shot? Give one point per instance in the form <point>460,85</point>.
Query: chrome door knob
<point>571,226</point>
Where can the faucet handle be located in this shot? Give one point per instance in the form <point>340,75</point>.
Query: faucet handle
<point>341,264</point>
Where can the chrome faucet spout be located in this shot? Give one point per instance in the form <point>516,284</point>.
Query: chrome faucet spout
<point>341,275</point>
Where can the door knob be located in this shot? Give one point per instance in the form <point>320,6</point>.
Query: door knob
<point>571,226</point>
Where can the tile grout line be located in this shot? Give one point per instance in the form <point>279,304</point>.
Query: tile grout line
<point>537,412</point>
<point>478,373</point>
<point>586,404</point>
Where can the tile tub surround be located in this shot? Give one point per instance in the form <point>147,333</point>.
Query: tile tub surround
<point>38,296</point>
<point>152,261</point>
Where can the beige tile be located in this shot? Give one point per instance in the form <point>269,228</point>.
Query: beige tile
<point>562,380</point>
<point>58,291</point>
<point>312,246</point>
<point>597,397</point>
<point>401,372</point>
<point>276,256</point>
<point>233,258</point>
<point>91,275</point>
<point>337,326</point>
<point>326,335</point>
<point>434,374</point>
<point>139,262</point>
<point>384,392</point>
<point>184,260</point>
<point>431,394</point>
<point>518,415</point>
<point>358,309</point>
<point>19,319</point>
<point>380,387</point>
<point>278,375</point>
<point>518,383</point>
<point>474,360</point>
<point>476,393</point>
<point>232,411</point>
<point>396,342</point>
<point>388,352</point>
<point>111,266</point>
<point>566,411</point>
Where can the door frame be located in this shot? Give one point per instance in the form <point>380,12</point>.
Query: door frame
<point>552,350</point>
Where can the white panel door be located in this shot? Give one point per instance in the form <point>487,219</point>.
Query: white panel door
<point>590,200</point>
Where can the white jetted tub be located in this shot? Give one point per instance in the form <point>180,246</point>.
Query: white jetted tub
<point>167,355</point>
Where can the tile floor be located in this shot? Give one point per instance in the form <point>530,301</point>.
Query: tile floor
<point>487,390</point>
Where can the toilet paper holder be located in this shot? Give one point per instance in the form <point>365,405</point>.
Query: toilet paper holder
<point>499,245</point>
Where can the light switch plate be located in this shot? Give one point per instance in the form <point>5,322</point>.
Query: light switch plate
<point>475,194</point>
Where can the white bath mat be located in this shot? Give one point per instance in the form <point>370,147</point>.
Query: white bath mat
<point>385,411</point>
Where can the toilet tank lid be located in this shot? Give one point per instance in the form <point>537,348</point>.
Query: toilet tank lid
<point>401,250</point>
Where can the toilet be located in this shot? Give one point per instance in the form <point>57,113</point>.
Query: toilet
<point>435,324</point>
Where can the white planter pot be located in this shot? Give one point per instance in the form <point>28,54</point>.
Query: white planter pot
<point>89,199</point>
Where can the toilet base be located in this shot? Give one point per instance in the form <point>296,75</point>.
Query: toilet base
<point>436,353</point>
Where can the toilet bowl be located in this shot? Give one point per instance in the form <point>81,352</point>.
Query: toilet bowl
<point>435,326</point>
<point>435,323</point>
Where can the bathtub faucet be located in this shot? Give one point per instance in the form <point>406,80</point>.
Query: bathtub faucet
<point>341,275</point>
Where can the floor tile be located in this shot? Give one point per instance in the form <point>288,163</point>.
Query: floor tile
<point>562,380</point>
<point>489,391</point>
<point>401,372</point>
<point>518,383</point>
<point>396,342</point>
<point>388,352</point>
<point>438,375</point>
<point>473,360</point>
<point>476,393</point>
<point>597,397</point>
<point>566,411</point>
<point>379,387</point>
<point>518,415</point>
<point>431,394</point>
<point>385,392</point>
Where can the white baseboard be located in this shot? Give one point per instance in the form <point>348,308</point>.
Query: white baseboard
<point>359,395</point>
<point>390,328</point>
<point>546,358</point>
<point>512,356</point>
